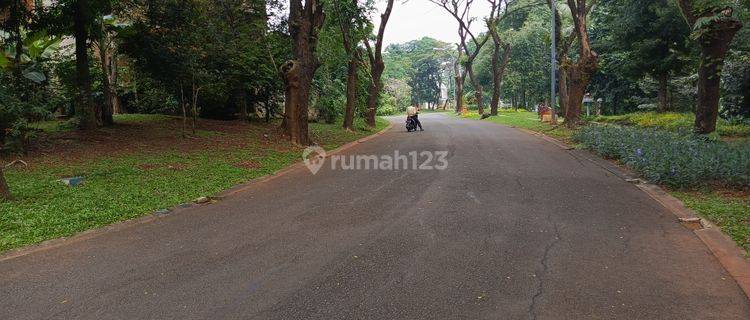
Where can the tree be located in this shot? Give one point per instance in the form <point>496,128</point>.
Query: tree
<point>527,77</point>
<point>107,49</point>
<point>419,66</point>
<point>85,109</point>
<point>579,73</point>
<point>499,58</point>
<point>352,23</point>
<point>239,48</point>
<point>171,43</point>
<point>714,24</point>
<point>459,9</point>
<point>376,66</point>
<point>305,21</point>
<point>425,80</point>
<point>648,37</point>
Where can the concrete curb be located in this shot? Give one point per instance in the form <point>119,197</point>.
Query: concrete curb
<point>727,252</point>
<point>122,225</point>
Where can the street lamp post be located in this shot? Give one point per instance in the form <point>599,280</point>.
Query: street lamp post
<point>553,59</point>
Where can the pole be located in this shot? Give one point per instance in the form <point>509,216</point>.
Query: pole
<point>553,59</point>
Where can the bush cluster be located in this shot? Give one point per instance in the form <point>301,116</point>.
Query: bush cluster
<point>679,160</point>
<point>675,121</point>
<point>21,102</point>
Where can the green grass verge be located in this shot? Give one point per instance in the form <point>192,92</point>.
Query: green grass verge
<point>523,119</point>
<point>124,187</point>
<point>730,212</point>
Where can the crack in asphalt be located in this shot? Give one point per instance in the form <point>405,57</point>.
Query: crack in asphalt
<point>540,275</point>
<point>576,157</point>
<point>528,192</point>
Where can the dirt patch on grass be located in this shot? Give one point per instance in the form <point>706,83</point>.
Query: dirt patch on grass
<point>154,166</point>
<point>149,137</point>
<point>247,165</point>
<point>737,194</point>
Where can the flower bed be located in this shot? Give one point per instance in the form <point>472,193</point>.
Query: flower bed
<point>678,160</point>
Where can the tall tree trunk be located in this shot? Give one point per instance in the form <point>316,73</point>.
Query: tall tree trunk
<point>459,93</point>
<point>84,105</point>
<point>478,94</point>
<point>350,45</point>
<point>715,38</point>
<point>241,102</point>
<point>496,82</point>
<point>663,96</point>
<point>305,21</point>
<point>136,96</point>
<point>499,59</point>
<point>194,112</point>
<point>498,67</point>
<point>115,73</point>
<point>105,60</point>
<point>579,76</point>
<point>377,66</point>
<point>459,79</point>
<point>714,47</point>
<point>579,73</point>
<point>183,104</point>
<point>562,83</point>
<point>373,94</point>
<point>4,189</point>
<point>563,46</point>
<point>351,92</point>
<point>297,82</point>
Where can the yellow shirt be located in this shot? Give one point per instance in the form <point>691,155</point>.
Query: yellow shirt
<point>410,111</point>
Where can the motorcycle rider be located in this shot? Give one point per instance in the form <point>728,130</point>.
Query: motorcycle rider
<point>412,112</point>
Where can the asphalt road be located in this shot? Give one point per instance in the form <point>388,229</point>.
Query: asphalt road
<point>514,228</point>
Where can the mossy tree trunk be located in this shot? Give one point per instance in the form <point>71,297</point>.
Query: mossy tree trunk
<point>305,21</point>
<point>85,110</point>
<point>714,36</point>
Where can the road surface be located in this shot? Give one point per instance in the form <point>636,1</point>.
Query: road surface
<point>514,228</point>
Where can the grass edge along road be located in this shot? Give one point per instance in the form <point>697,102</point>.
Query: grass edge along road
<point>729,209</point>
<point>127,185</point>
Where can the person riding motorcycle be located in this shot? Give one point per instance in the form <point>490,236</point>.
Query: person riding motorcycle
<point>413,113</point>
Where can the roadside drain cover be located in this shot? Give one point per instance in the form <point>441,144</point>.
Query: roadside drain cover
<point>691,223</point>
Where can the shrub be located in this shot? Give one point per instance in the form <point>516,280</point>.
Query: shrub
<point>388,105</point>
<point>20,103</point>
<point>154,98</point>
<point>329,107</point>
<point>675,121</point>
<point>679,160</point>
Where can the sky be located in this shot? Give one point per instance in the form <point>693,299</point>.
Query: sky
<point>414,19</point>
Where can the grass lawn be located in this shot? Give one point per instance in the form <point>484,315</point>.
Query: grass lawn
<point>140,166</point>
<point>524,119</point>
<point>729,209</point>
